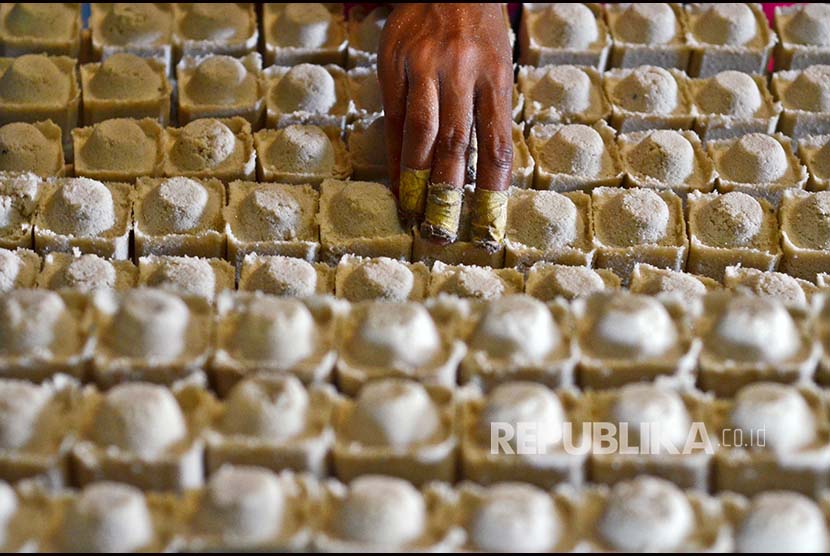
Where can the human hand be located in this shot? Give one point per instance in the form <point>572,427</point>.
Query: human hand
<point>443,69</point>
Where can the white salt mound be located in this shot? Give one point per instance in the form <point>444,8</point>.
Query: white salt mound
<point>86,273</point>
<point>381,511</point>
<point>220,80</point>
<point>544,220</point>
<point>184,275</point>
<point>631,326</point>
<point>515,517</point>
<point>474,282</point>
<point>382,278</point>
<point>810,222</point>
<point>285,276</point>
<point>515,403</point>
<point>393,336</point>
<point>810,25</point>
<point>81,207</point>
<point>567,88</point>
<point>665,155</point>
<point>779,410</point>
<point>302,149</point>
<point>305,88</point>
<point>270,215</point>
<point>134,24</point>
<point>215,22</point>
<point>730,220</point>
<point>660,409</point>
<point>271,407</point>
<point>21,407</point>
<point>150,324</point>
<point>731,92</point>
<point>810,91</point>
<point>125,76</point>
<point>754,158</point>
<point>202,145</point>
<point>564,25</point>
<point>303,25</point>
<point>782,521</point>
<point>726,24</point>
<point>177,205</point>
<point>646,24</point>
<point>516,325</point>
<point>34,78</point>
<point>574,149</point>
<point>636,217</point>
<point>278,330</point>
<point>647,89</point>
<point>36,323</point>
<point>754,329</point>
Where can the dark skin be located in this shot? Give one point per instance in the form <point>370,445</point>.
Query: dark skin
<point>443,68</point>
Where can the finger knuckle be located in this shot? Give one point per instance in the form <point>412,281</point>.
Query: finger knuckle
<point>499,153</point>
<point>419,123</point>
<point>453,141</point>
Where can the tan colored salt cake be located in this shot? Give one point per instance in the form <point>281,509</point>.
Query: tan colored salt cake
<point>758,164</point>
<point>360,218</point>
<point>649,513</point>
<point>728,37</point>
<point>125,86</point>
<point>380,278</point>
<point>145,30</point>
<point>805,95</point>
<point>364,28</point>
<point>548,281</point>
<point>729,229</point>
<point>688,288</point>
<point>379,339</point>
<point>244,508</point>
<point>36,87</point>
<point>366,143</point>
<point>397,427</point>
<point>221,28</point>
<point>657,420</point>
<point>554,34</point>
<point>179,216</point>
<point>805,233</point>
<point>548,226</point>
<point>43,334</point>
<point>18,268</point>
<point>306,94</point>
<point>221,148</point>
<point>749,339</point>
<point>638,226</point>
<point>221,86</point>
<point>574,157</point>
<point>277,336</point>
<point>814,152</point>
<point>364,92</point>
<point>803,35</point>
<point>793,292</point>
<point>304,33</point>
<point>149,334</point>
<point>32,147</point>
<point>301,154</point>
<point>121,149</point>
<point>188,276</point>
<point>648,97</point>
<point>477,282</point>
<point>85,273</point>
<point>19,194</point>
<point>625,337</point>
<point>731,104</point>
<point>562,94</point>
<point>518,337</point>
<point>647,34</point>
<point>795,454</point>
<point>670,159</point>
<point>84,214</point>
<point>285,276</point>
<point>272,219</point>
<point>31,28</point>
<point>142,434</point>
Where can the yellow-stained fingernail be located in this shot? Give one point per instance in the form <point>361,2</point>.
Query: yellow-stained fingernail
<point>443,211</point>
<point>412,193</point>
<point>489,218</point>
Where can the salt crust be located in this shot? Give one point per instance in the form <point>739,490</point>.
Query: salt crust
<point>85,273</point>
<point>470,281</point>
<point>548,281</point>
<point>301,154</point>
<point>189,276</point>
<point>381,278</point>
<point>648,97</point>
<point>285,276</point>
<point>306,94</point>
<point>566,94</point>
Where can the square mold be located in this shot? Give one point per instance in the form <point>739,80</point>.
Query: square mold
<point>804,96</point>
<point>748,339</point>
<point>145,435</point>
<point>399,428</point>
<point>562,94</point>
<point>730,229</point>
<point>301,154</point>
<point>220,86</point>
<point>730,104</point>
<point>289,98</point>
<point>87,215</point>
<point>187,276</point>
<point>118,150</point>
<point>32,147</point>
<point>801,29</point>
<point>273,336</point>
<point>758,164</point>
<point>272,219</point>
<point>625,337</point>
<point>380,278</point>
<point>548,226</point>
<point>19,194</point>
<point>29,28</point>
<point>179,216</point>
<point>149,335</point>
<point>670,159</point>
<point>548,281</point>
<point>745,46</point>
<point>574,157</point>
<point>296,34</point>
<point>647,34</point>
<point>553,34</point>
<point>285,276</point>
<point>814,152</point>
<point>805,236</point>
<point>229,29</point>
<point>638,226</point>
<point>648,97</point>
<point>360,218</point>
<point>18,269</point>
<point>221,148</point>
<point>145,30</point>
<point>51,335</point>
<point>364,27</point>
<point>126,86</point>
